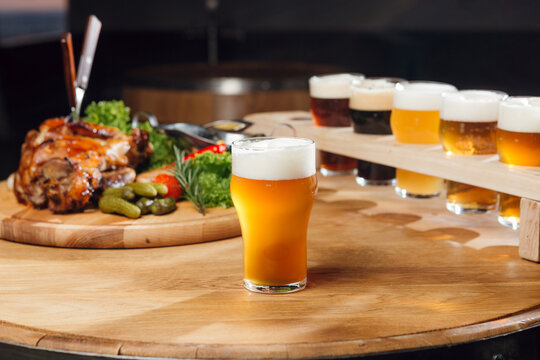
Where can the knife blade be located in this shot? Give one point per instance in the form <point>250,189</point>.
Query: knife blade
<point>91,36</point>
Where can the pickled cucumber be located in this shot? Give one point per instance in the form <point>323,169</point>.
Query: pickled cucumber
<point>163,206</point>
<point>144,204</point>
<point>143,189</point>
<point>115,204</point>
<point>123,192</point>
<point>162,189</point>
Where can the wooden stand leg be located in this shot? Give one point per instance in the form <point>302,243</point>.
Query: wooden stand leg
<point>529,230</point>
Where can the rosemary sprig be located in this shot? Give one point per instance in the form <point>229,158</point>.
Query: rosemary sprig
<point>187,174</point>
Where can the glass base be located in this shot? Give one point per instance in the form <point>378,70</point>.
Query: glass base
<point>459,209</point>
<point>326,172</point>
<point>365,182</point>
<point>405,194</point>
<point>509,221</point>
<point>275,289</point>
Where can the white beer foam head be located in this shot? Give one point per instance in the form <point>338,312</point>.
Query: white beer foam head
<point>520,114</point>
<point>273,158</point>
<point>334,86</point>
<point>372,95</point>
<point>471,105</point>
<point>420,95</point>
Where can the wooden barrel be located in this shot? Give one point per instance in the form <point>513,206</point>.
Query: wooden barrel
<point>384,274</point>
<point>201,93</point>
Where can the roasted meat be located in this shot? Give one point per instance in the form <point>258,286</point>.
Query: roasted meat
<point>65,164</point>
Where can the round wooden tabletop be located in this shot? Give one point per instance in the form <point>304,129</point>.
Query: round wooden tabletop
<point>384,274</point>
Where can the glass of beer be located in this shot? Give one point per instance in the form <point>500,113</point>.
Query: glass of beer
<point>330,107</point>
<point>518,143</point>
<point>468,125</point>
<point>273,188</point>
<point>370,106</point>
<point>509,210</point>
<point>415,120</point>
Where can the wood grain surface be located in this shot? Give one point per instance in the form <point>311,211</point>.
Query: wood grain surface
<point>384,274</point>
<point>529,233</point>
<point>94,229</point>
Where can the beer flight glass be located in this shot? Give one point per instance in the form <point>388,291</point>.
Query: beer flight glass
<point>415,120</point>
<point>468,125</point>
<point>273,187</point>
<point>370,106</point>
<point>330,107</point>
<point>518,143</point>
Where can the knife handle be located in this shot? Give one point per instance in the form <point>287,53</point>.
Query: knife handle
<point>66,43</point>
<point>91,36</point>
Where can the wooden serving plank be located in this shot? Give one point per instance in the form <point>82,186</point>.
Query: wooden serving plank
<point>94,229</point>
<point>482,170</point>
<point>384,274</point>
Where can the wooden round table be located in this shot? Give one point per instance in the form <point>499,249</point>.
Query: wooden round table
<point>385,274</point>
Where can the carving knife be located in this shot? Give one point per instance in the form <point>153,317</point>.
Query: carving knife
<point>91,36</point>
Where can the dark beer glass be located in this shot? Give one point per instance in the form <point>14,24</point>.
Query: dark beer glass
<point>370,108</point>
<point>330,107</point>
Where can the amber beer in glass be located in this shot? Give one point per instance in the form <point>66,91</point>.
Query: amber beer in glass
<point>273,187</point>
<point>330,107</point>
<point>415,120</point>
<point>518,143</point>
<point>468,125</point>
<point>370,106</point>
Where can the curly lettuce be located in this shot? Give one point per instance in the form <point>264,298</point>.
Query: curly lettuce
<point>214,177</point>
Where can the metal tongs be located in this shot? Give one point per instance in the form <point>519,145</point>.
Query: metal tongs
<point>77,83</point>
<point>197,136</point>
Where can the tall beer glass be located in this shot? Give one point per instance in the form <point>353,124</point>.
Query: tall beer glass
<point>415,120</point>
<point>330,107</point>
<point>371,105</point>
<point>468,124</point>
<point>518,143</point>
<point>273,187</point>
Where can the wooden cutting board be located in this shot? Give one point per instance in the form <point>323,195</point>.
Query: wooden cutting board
<point>94,229</point>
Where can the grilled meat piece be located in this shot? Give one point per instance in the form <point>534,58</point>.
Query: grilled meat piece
<point>64,164</point>
<point>117,178</point>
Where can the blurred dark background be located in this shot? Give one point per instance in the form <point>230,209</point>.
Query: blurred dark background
<point>491,44</point>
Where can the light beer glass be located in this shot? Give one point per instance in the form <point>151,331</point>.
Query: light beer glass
<point>509,210</point>
<point>370,106</point>
<point>468,125</point>
<point>330,107</point>
<point>415,120</point>
<point>518,143</point>
<point>273,188</point>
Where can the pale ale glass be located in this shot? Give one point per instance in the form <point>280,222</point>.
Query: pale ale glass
<point>273,188</point>
<point>518,143</point>
<point>413,184</point>
<point>415,120</point>
<point>330,107</point>
<point>509,210</point>
<point>370,106</point>
<point>468,125</point>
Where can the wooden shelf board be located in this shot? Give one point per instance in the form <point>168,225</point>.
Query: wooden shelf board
<point>480,170</point>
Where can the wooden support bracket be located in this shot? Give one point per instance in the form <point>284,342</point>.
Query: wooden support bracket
<point>529,232</point>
